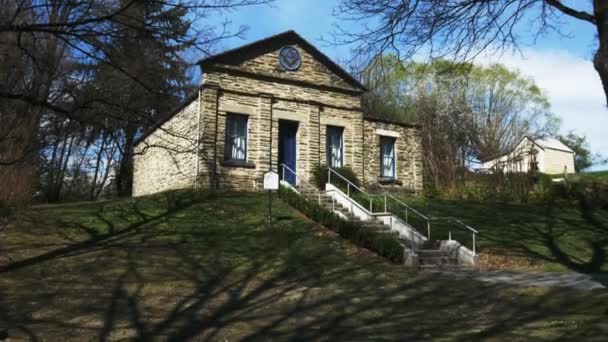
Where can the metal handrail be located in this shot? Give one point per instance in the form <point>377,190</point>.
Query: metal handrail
<point>296,175</point>
<point>408,208</point>
<point>350,184</point>
<point>302,181</point>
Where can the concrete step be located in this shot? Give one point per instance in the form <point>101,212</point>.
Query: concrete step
<point>448,267</point>
<point>435,258</point>
<point>431,252</point>
<point>438,261</point>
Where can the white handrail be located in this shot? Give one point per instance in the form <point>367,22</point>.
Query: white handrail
<point>407,207</point>
<point>301,181</point>
<point>330,170</point>
<point>350,184</point>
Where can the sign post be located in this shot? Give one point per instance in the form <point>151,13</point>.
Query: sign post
<point>271,183</point>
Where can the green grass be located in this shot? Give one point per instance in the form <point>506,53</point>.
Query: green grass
<point>177,267</point>
<point>557,236</point>
<point>599,176</point>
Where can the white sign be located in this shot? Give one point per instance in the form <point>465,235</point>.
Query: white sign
<point>271,180</point>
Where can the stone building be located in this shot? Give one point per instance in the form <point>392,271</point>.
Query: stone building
<point>276,101</point>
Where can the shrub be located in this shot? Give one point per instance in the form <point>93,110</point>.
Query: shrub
<point>5,212</point>
<point>320,177</point>
<point>383,244</point>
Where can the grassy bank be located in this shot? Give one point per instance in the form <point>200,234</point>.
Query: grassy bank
<point>553,236</point>
<point>180,267</point>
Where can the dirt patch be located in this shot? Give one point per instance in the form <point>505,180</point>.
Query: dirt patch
<point>494,261</point>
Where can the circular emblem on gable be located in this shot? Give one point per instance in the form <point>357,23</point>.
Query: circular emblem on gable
<point>289,58</point>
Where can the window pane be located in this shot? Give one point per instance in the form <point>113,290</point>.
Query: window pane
<point>334,149</point>
<point>236,137</point>
<point>387,157</point>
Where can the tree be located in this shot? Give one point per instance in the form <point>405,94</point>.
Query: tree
<point>460,30</point>
<point>468,112</point>
<point>583,158</point>
<point>89,62</point>
<point>505,107</point>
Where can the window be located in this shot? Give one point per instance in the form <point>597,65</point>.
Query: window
<point>335,150</point>
<point>235,148</point>
<point>387,157</point>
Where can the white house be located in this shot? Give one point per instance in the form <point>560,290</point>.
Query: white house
<point>547,155</point>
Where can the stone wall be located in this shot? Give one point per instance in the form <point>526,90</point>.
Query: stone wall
<point>266,102</point>
<point>318,98</point>
<point>408,146</point>
<point>166,159</point>
<point>311,70</point>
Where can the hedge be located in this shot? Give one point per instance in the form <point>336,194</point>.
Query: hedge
<point>320,177</point>
<point>385,245</point>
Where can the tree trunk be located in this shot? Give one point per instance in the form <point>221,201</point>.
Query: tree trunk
<point>600,60</point>
<point>124,178</point>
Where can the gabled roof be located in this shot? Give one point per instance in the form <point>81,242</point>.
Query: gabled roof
<point>542,143</point>
<point>554,144</point>
<point>236,55</point>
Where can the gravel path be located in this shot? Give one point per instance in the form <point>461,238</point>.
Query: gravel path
<point>547,279</point>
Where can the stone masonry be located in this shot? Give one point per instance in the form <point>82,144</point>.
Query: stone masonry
<point>187,150</point>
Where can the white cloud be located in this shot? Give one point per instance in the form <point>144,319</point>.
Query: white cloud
<point>572,85</point>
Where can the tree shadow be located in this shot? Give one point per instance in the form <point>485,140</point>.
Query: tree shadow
<point>220,281</point>
<point>96,238</point>
<point>596,243</point>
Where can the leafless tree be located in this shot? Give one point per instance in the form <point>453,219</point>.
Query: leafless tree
<point>461,29</point>
<point>52,54</point>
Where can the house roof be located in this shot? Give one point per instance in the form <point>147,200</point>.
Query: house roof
<point>554,144</point>
<point>233,56</point>
<point>542,143</point>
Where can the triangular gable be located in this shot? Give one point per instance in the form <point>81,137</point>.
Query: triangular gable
<point>262,57</point>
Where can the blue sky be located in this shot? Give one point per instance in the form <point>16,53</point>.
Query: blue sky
<point>560,65</point>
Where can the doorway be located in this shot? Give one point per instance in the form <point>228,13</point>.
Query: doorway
<point>288,149</point>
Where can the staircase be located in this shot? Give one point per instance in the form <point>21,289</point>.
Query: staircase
<point>430,257</point>
<point>327,202</point>
<point>421,252</point>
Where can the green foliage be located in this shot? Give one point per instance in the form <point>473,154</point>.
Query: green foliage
<point>320,177</point>
<point>5,210</point>
<point>498,187</point>
<point>468,112</point>
<point>583,157</point>
<point>383,244</point>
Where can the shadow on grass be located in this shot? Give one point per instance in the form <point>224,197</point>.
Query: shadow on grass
<point>96,240</point>
<point>216,271</point>
<point>595,243</point>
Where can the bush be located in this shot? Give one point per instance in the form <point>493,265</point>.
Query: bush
<point>383,244</point>
<point>5,213</point>
<point>320,177</point>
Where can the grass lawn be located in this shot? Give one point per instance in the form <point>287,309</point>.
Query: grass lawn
<point>553,237</point>
<point>600,176</point>
<point>212,269</point>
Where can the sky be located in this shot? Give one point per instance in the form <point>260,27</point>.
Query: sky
<point>559,64</point>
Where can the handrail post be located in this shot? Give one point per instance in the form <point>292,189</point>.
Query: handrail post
<point>283,168</point>
<point>348,189</point>
<point>428,229</point>
<point>406,217</point>
<point>328,175</point>
<point>319,199</point>
<point>385,204</point>
<point>474,244</point>
<point>371,210</point>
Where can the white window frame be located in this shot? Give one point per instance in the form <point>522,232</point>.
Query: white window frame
<point>227,156</point>
<point>394,140</point>
<point>328,155</point>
